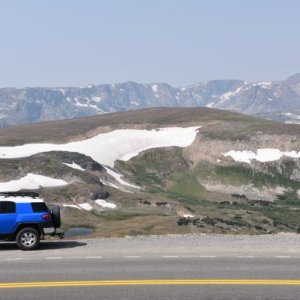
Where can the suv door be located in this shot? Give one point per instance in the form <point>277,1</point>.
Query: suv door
<point>7,217</point>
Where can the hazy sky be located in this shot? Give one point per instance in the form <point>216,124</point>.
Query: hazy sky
<point>77,42</point>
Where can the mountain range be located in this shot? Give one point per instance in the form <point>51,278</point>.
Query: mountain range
<point>274,100</point>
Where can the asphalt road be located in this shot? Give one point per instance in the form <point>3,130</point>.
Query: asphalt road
<point>174,267</point>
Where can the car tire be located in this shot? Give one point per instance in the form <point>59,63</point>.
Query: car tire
<point>28,239</point>
<point>55,213</point>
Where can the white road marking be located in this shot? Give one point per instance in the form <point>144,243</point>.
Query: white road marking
<point>246,256</point>
<point>137,256</point>
<point>189,256</point>
<point>170,256</point>
<point>207,256</point>
<point>132,256</point>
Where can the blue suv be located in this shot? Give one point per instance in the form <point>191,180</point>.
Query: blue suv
<point>25,218</point>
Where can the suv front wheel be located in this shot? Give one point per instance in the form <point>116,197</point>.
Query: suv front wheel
<point>28,238</point>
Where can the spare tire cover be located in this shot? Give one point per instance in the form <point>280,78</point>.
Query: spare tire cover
<point>55,213</point>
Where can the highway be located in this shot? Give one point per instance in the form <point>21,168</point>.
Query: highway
<point>172,267</point>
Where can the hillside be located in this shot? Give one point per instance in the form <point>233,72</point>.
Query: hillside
<point>161,170</point>
<point>277,100</point>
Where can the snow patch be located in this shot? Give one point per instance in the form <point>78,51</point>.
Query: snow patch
<point>292,116</point>
<point>72,206</point>
<point>188,216</point>
<point>97,108</point>
<point>96,99</point>
<point>154,88</point>
<point>116,187</point>
<point>226,96</point>
<point>105,148</point>
<point>31,182</point>
<point>164,137</point>
<point>86,206</point>
<point>118,177</point>
<point>63,91</point>
<point>104,204</point>
<point>210,105</point>
<point>74,166</point>
<point>261,155</point>
<point>264,84</point>
<point>77,103</point>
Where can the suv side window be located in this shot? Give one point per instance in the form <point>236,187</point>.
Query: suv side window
<point>7,207</point>
<point>39,207</point>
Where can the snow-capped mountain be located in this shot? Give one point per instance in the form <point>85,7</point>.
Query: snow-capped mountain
<point>279,100</point>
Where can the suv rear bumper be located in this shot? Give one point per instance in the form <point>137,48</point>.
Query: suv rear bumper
<point>49,229</point>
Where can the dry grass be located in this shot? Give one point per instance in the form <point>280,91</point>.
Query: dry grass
<point>61,131</point>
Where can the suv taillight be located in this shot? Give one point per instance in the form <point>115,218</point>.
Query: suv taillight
<point>47,217</point>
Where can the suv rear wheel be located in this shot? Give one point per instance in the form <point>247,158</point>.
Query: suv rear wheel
<point>28,238</point>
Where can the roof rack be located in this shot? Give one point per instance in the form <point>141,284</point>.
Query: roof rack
<point>19,194</point>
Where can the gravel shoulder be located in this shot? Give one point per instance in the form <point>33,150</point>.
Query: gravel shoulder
<point>199,242</point>
<point>151,246</point>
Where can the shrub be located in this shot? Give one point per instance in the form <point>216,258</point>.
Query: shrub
<point>209,221</point>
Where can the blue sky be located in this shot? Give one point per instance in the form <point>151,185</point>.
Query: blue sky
<point>77,42</point>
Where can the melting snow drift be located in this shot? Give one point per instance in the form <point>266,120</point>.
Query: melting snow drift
<point>30,181</point>
<point>261,155</point>
<point>86,206</point>
<point>188,216</point>
<point>72,206</point>
<point>74,166</point>
<point>105,204</point>
<point>118,177</point>
<point>105,148</point>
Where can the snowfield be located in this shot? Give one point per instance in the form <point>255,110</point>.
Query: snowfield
<point>32,182</point>
<point>261,155</point>
<point>106,148</point>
